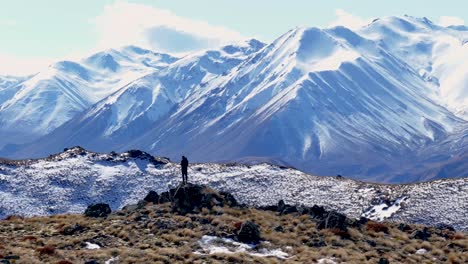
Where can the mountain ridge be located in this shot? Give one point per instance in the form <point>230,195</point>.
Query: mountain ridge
<point>74,178</point>
<point>328,101</point>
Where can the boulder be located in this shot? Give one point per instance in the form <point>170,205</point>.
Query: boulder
<point>289,209</point>
<point>279,229</point>
<point>284,208</point>
<point>130,208</point>
<point>280,207</point>
<point>333,220</point>
<point>421,234</point>
<point>359,222</point>
<point>188,197</point>
<point>273,208</point>
<point>98,210</point>
<point>317,212</point>
<point>229,199</point>
<point>249,233</point>
<point>404,227</point>
<point>383,261</point>
<point>152,197</point>
<point>165,197</point>
<point>443,226</point>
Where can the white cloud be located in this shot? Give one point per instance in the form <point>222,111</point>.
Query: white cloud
<point>124,23</point>
<point>348,20</point>
<point>451,21</point>
<point>8,23</point>
<point>14,65</point>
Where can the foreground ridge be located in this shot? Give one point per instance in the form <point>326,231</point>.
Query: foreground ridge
<point>196,224</point>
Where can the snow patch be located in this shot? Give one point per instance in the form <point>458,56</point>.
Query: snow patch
<point>212,245</point>
<point>92,246</point>
<point>383,211</point>
<point>421,251</point>
<point>112,260</point>
<point>327,261</point>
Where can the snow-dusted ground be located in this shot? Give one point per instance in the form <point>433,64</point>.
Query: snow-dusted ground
<point>68,182</point>
<point>213,245</point>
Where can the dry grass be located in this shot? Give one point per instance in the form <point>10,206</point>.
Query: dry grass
<point>155,235</point>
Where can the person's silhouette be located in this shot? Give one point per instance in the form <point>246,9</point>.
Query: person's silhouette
<point>184,165</point>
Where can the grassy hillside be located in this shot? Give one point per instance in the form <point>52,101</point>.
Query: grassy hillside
<point>161,233</point>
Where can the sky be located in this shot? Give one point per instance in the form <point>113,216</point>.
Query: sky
<point>37,33</point>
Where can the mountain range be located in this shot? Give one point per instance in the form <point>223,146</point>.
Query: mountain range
<point>387,102</point>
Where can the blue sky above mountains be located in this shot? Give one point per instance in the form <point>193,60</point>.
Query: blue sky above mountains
<point>35,33</point>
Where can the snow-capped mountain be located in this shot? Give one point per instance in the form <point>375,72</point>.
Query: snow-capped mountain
<point>327,110</point>
<point>437,53</point>
<point>43,102</point>
<point>68,182</point>
<point>8,86</point>
<point>137,106</point>
<point>384,103</point>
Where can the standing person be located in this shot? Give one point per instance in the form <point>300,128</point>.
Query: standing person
<point>184,164</point>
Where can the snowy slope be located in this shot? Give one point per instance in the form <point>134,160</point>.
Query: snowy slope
<point>55,95</point>
<point>136,107</point>
<point>69,181</point>
<point>326,101</point>
<point>437,53</point>
<point>8,87</point>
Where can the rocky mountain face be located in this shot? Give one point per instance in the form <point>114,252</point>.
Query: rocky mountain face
<point>384,103</point>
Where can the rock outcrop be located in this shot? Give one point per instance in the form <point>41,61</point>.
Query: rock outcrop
<point>98,210</point>
<point>248,233</point>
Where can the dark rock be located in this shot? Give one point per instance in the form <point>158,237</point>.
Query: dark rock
<point>165,197</point>
<point>317,211</point>
<point>371,243</point>
<point>229,199</point>
<point>279,229</point>
<point>421,234</point>
<point>4,261</point>
<point>404,227</point>
<point>383,261</point>
<point>98,210</point>
<point>283,208</point>
<point>303,210</point>
<point>280,207</point>
<point>152,197</point>
<point>209,200</point>
<point>289,209</point>
<point>273,208</point>
<point>135,153</point>
<point>249,233</point>
<point>360,222</point>
<point>146,156</point>
<point>91,262</point>
<point>130,208</point>
<point>443,226</point>
<point>188,197</point>
<point>12,257</point>
<point>165,224</point>
<point>205,221</point>
<point>316,243</point>
<point>72,230</point>
<point>333,220</point>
